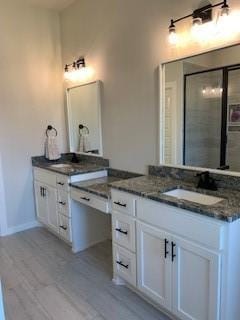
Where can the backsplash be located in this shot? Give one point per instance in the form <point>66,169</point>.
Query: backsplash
<point>67,157</point>
<point>189,175</point>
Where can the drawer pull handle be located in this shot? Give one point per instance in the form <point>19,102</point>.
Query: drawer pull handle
<point>63,227</point>
<point>122,264</point>
<point>166,252</point>
<point>120,204</point>
<point>121,231</point>
<point>173,254</point>
<point>62,203</point>
<point>86,199</point>
<point>61,183</point>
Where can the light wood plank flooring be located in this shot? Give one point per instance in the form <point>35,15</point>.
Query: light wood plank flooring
<point>44,280</point>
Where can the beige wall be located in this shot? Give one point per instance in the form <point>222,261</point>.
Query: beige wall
<point>30,98</point>
<point>125,40</point>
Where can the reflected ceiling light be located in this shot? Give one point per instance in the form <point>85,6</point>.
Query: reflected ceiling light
<point>78,71</point>
<point>200,18</point>
<point>212,92</point>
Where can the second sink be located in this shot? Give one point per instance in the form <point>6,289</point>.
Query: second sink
<point>193,196</point>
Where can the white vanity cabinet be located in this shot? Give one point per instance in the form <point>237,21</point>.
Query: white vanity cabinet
<point>46,205</point>
<point>76,222</point>
<point>178,274</point>
<point>185,262</point>
<point>123,235</point>
<point>52,202</point>
<point>154,270</point>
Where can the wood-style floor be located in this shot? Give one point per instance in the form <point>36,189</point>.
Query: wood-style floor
<point>44,280</point>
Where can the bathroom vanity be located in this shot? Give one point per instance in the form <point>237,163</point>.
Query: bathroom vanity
<point>55,211</point>
<point>181,255</point>
<point>73,200</point>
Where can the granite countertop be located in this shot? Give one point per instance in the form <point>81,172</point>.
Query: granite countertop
<point>153,187</point>
<point>101,186</point>
<point>72,168</point>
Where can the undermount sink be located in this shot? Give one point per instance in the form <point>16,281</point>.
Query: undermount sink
<point>193,196</point>
<point>61,166</point>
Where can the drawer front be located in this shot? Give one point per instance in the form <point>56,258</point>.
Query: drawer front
<point>123,202</point>
<point>65,228</point>
<point>124,264</point>
<point>187,224</point>
<point>123,231</point>
<point>62,182</point>
<point>63,203</point>
<point>44,176</point>
<point>90,199</point>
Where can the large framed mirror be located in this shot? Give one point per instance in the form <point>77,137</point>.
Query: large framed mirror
<point>200,111</point>
<point>84,118</point>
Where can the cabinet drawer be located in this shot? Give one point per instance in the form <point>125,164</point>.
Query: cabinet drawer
<point>65,228</point>
<point>62,182</point>
<point>181,222</point>
<point>123,231</point>
<point>90,200</point>
<point>124,264</point>
<point>123,202</point>
<point>44,176</point>
<point>63,203</point>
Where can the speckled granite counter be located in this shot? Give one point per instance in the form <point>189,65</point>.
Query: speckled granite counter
<point>153,187</point>
<point>101,186</point>
<point>86,164</point>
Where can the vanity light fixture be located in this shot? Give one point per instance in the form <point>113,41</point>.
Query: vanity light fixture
<point>77,71</point>
<point>199,17</point>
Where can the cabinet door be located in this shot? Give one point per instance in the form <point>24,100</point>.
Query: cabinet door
<point>51,195</point>
<point>196,282</point>
<point>41,202</point>
<point>153,265</point>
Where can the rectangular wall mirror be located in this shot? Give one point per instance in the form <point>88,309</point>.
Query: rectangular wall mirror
<point>84,118</point>
<point>200,111</point>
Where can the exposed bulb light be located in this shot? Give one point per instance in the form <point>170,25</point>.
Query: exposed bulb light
<point>197,28</point>
<point>173,38</point>
<point>225,9</point>
<point>225,23</point>
<point>197,21</point>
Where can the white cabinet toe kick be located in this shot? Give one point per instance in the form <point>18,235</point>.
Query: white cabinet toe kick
<point>184,263</point>
<point>76,217</point>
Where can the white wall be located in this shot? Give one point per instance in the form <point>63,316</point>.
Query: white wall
<point>30,98</point>
<point>125,40</point>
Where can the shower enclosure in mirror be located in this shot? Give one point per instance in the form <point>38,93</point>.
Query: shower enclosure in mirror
<point>84,118</point>
<point>200,111</point>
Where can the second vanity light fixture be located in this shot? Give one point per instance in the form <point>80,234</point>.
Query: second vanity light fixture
<point>77,71</point>
<point>199,17</point>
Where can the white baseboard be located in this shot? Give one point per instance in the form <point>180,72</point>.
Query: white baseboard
<point>21,227</point>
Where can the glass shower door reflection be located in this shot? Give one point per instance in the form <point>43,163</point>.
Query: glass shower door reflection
<point>233,142</point>
<point>203,119</point>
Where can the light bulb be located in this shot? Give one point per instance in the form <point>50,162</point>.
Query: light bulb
<point>225,10</point>
<point>173,38</point>
<point>197,28</point>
